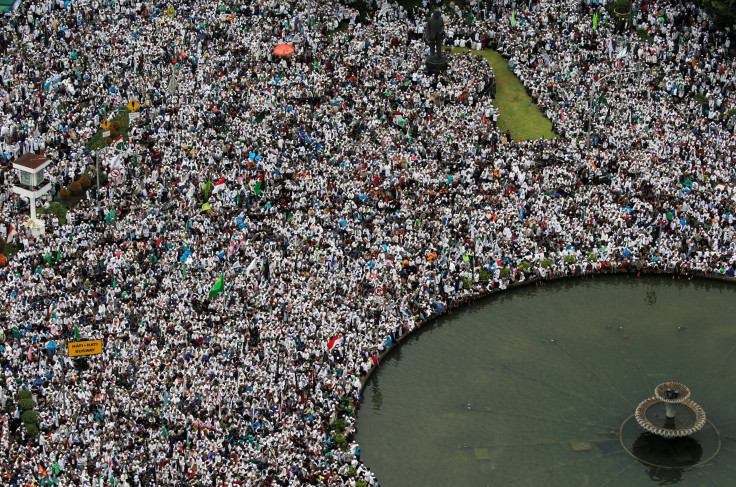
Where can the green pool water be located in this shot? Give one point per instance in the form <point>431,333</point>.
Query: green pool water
<point>534,387</point>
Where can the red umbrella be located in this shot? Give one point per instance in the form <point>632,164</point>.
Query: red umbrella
<point>284,50</point>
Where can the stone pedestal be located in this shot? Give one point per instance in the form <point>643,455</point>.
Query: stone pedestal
<point>37,227</point>
<point>436,64</point>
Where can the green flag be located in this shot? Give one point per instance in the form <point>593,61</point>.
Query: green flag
<point>114,282</point>
<point>230,289</point>
<point>206,207</point>
<point>217,288</point>
<point>76,334</point>
<point>47,256</point>
<point>595,21</point>
<point>257,188</point>
<point>513,18</point>
<point>58,255</point>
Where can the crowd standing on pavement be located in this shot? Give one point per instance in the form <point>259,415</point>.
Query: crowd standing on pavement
<point>280,222</point>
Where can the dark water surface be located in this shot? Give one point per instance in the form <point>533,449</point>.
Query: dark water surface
<point>531,387</point>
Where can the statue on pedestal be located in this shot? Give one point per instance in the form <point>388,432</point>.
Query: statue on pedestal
<point>434,34</point>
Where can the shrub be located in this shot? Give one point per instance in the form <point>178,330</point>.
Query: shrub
<point>64,194</point>
<point>483,275</point>
<point>32,430</point>
<point>570,259</point>
<point>546,263</point>
<point>352,472</point>
<point>85,183</point>
<point>592,257</point>
<point>505,271</point>
<point>361,483</point>
<point>644,35</point>
<point>339,425</point>
<point>524,266</point>
<point>26,404</point>
<point>75,188</point>
<point>340,441</point>
<point>620,9</point>
<point>23,394</point>
<point>116,125</point>
<point>58,210</point>
<point>10,250</point>
<point>30,417</point>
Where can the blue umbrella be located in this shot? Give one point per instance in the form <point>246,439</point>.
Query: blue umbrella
<point>50,345</point>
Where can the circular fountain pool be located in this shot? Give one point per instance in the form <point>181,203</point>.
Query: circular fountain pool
<point>538,386</point>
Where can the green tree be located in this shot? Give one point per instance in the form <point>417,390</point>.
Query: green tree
<point>30,417</point>
<point>32,430</point>
<point>23,394</point>
<point>26,404</point>
<point>339,425</point>
<point>340,441</point>
<point>723,12</point>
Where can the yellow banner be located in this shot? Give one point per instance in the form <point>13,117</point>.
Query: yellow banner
<point>89,347</point>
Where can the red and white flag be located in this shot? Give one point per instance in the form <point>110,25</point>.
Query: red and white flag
<point>11,232</point>
<point>234,247</point>
<point>331,344</point>
<point>219,186</point>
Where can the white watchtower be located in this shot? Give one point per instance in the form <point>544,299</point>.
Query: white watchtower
<point>32,184</point>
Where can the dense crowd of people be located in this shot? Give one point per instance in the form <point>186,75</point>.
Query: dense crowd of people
<point>275,224</point>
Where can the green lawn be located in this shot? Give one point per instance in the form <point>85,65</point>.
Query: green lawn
<point>409,4</point>
<point>516,112</point>
<point>342,27</point>
<point>98,142</point>
<point>56,208</point>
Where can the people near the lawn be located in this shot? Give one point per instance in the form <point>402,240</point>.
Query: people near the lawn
<point>278,223</point>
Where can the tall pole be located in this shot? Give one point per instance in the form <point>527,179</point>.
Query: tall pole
<point>97,173</point>
<point>33,206</point>
<point>590,118</point>
<point>97,170</point>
